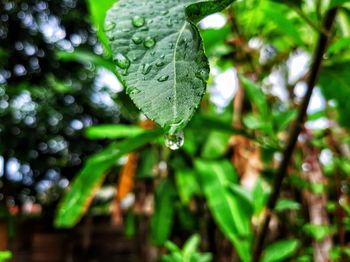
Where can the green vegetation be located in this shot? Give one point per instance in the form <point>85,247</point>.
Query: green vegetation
<point>221,126</point>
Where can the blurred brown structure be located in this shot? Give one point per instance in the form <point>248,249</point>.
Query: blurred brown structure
<point>94,239</point>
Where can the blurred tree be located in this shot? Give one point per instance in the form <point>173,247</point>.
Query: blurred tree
<point>44,102</point>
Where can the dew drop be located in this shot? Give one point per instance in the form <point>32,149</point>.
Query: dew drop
<point>175,141</point>
<point>109,26</point>
<point>165,12</point>
<point>132,90</point>
<point>163,78</point>
<point>137,40</point>
<point>138,21</point>
<point>149,42</point>
<point>160,63</point>
<point>122,61</point>
<point>146,68</point>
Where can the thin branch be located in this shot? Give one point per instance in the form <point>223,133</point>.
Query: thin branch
<point>293,138</point>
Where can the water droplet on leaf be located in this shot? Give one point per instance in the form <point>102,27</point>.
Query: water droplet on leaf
<point>146,68</point>
<point>137,40</point>
<point>138,21</point>
<point>149,42</point>
<point>122,61</point>
<point>132,90</point>
<point>163,78</point>
<point>175,141</point>
<point>109,26</point>
<point>160,63</point>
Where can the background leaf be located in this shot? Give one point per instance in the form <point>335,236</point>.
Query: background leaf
<point>98,10</point>
<point>89,179</point>
<point>335,85</point>
<point>279,251</point>
<point>215,176</point>
<point>162,219</point>
<point>112,131</point>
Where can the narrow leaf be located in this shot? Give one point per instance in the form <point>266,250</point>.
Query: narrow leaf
<point>162,219</point>
<point>112,131</point>
<point>279,251</point>
<point>98,11</point>
<point>226,209</point>
<point>84,186</point>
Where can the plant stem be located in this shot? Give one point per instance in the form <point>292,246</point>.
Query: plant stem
<point>293,138</point>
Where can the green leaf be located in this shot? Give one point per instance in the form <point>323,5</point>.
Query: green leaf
<point>318,232</point>
<point>162,219</point>
<point>130,228</point>
<point>215,177</point>
<point>112,131</point>
<point>257,97</point>
<point>216,145</point>
<point>187,184</point>
<point>341,44</point>
<point>287,204</point>
<point>277,14</point>
<point>85,57</point>
<point>335,3</point>
<point>98,10</point>
<point>5,255</point>
<point>280,250</point>
<point>260,195</point>
<point>160,56</point>
<point>191,244</point>
<point>335,85</point>
<point>245,198</point>
<point>89,179</point>
<point>289,2</point>
<point>148,159</point>
<point>283,119</point>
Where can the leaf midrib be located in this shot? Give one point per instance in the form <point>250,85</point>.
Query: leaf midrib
<point>174,67</point>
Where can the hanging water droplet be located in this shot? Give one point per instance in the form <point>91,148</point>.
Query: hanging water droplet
<point>163,78</point>
<point>164,12</point>
<point>109,26</point>
<point>130,90</point>
<point>175,141</point>
<point>137,40</point>
<point>169,23</point>
<point>149,42</point>
<point>122,61</point>
<point>146,68</point>
<point>145,28</point>
<point>138,21</point>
